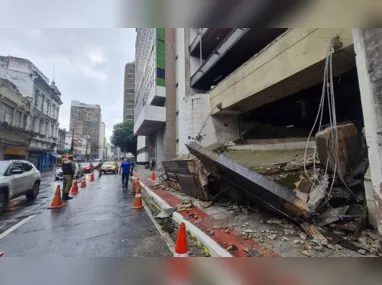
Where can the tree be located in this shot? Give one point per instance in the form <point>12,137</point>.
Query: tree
<point>123,137</point>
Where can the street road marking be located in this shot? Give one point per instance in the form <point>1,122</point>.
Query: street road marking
<point>19,224</point>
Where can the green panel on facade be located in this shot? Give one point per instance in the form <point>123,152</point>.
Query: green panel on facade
<point>161,82</point>
<point>161,33</point>
<point>160,55</point>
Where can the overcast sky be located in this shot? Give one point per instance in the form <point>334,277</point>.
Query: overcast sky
<point>89,64</point>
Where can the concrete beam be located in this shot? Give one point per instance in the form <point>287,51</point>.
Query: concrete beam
<point>291,63</point>
<point>225,46</point>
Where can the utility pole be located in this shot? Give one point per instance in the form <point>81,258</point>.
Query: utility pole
<point>86,148</point>
<point>72,145</point>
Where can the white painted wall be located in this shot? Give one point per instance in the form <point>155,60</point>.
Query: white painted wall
<point>141,142</point>
<point>142,157</point>
<point>371,107</point>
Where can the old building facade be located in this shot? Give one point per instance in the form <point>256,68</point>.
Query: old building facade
<point>44,109</point>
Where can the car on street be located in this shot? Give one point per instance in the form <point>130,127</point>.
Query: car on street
<point>17,178</point>
<point>87,167</point>
<point>110,167</point>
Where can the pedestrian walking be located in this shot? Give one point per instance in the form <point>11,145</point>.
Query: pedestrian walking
<point>99,168</point>
<point>69,171</point>
<point>124,170</point>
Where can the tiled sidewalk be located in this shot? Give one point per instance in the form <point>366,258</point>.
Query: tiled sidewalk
<point>207,223</point>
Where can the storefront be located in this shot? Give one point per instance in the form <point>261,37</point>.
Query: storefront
<point>14,153</point>
<point>43,161</point>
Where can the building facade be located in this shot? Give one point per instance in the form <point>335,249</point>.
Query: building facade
<point>81,146</point>
<point>85,120</point>
<point>44,109</point>
<point>128,92</point>
<point>15,134</point>
<point>150,94</point>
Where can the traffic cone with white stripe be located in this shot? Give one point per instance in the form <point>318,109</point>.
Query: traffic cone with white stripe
<point>138,197</point>
<point>74,189</point>
<point>135,185</point>
<point>83,182</point>
<point>181,248</point>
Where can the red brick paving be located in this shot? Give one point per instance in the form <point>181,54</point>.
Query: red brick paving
<point>205,222</point>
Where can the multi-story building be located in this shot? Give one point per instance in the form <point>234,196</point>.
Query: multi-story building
<point>81,145</point>
<point>85,119</point>
<point>128,92</point>
<point>15,134</point>
<point>44,109</point>
<point>230,80</point>
<point>101,146</point>
<point>154,95</point>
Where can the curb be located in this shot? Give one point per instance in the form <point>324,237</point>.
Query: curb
<point>213,248</point>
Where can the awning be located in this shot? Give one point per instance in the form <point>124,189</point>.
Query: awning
<point>15,151</point>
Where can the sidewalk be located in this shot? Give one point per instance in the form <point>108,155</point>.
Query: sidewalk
<point>244,232</point>
<point>226,237</point>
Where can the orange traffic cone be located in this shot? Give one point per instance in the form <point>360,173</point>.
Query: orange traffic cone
<point>83,182</point>
<point>181,242</point>
<point>91,177</point>
<point>74,189</point>
<point>179,271</point>
<point>56,202</point>
<point>153,176</point>
<point>138,197</point>
<point>134,187</point>
<point>1,253</point>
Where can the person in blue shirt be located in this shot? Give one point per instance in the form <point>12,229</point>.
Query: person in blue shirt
<point>124,169</point>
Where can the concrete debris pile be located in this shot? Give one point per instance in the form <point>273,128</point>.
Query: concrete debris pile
<point>313,188</point>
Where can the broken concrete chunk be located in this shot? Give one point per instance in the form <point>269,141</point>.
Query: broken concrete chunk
<point>318,192</point>
<point>271,236</point>
<point>274,222</point>
<point>331,215</point>
<point>166,213</point>
<point>232,247</point>
<point>362,251</point>
<point>307,253</point>
<point>314,233</point>
<point>206,204</point>
<point>303,236</point>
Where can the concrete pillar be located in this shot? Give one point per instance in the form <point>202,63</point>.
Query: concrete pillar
<point>368,49</point>
<point>170,129</point>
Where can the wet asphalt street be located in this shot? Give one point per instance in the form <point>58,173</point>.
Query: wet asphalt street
<point>99,221</point>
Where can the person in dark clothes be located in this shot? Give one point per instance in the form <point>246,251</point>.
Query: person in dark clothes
<point>124,170</point>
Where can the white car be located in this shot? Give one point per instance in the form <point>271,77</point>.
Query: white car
<point>17,178</point>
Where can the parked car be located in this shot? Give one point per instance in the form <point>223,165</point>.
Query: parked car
<point>110,167</point>
<point>17,178</point>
